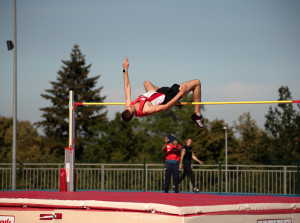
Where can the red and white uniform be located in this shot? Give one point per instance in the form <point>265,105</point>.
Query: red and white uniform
<point>154,98</point>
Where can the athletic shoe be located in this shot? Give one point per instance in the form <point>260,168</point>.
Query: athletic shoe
<point>197,119</point>
<point>196,189</point>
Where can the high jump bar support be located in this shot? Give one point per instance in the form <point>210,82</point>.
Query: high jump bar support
<point>70,151</point>
<point>197,103</point>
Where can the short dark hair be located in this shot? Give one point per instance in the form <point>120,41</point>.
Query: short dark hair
<point>126,115</point>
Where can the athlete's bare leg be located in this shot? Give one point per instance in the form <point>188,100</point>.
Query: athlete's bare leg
<point>195,86</point>
<point>149,86</point>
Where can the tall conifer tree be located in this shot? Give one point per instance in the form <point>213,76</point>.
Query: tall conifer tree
<point>55,123</point>
<point>283,123</point>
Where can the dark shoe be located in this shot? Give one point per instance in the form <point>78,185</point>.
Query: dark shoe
<point>198,120</point>
<point>176,191</point>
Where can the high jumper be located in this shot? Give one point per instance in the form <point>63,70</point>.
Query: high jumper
<point>159,99</point>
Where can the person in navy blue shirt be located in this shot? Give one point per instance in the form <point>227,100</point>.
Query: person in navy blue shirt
<point>187,155</point>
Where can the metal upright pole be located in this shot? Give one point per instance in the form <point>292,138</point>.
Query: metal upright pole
<point>297,189</point>
<point>14,149</point>
<point>220,177</point>
<point>70,153</point>
<point>144,176</point>
<point>226,161</point>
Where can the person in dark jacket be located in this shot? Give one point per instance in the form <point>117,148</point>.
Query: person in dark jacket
<point>187,155</point>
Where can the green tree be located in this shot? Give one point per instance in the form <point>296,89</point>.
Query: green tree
<point>282,123</point>
<point>5,139</point>
<point>250,149</point>
<point>73,74</point>
<point>120,142</point>
<point>30,146</point>
<point>213,142</point>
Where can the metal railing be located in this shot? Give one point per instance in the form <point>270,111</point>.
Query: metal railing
<point>150,177</point>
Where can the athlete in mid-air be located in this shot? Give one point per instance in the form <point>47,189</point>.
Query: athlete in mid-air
<point>159,99</point>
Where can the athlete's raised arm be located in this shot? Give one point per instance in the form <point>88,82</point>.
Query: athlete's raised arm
<point>126,83</point>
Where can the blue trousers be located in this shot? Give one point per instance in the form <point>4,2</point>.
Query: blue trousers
<point>171,169</point>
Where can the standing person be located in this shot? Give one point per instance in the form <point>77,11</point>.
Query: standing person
<point>159,99</point>
<point>172,155</point>
<point>187,155</point>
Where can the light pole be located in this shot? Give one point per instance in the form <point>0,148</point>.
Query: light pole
<point>226,161</point>
<point>14,149</point>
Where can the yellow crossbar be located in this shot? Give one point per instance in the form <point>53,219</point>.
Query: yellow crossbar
<point>197,103</point>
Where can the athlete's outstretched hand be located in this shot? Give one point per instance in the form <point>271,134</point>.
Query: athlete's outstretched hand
<point>125,64</point>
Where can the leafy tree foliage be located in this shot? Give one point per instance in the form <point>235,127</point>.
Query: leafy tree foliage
<point>30,145</point>
<point>73,74</point>
<point>214,141</point>
<point>120,142</point>
<point>249,150</point>
<point>282,122</point>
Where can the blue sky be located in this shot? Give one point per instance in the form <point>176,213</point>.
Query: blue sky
<point>240,49</point>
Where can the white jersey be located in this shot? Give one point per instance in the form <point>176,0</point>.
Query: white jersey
<point>154,98</point>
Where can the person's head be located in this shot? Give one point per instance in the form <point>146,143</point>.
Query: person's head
<point>175,142</point>
<point>128,113</point>
<point>171,138</point>
<point>189,142</point>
